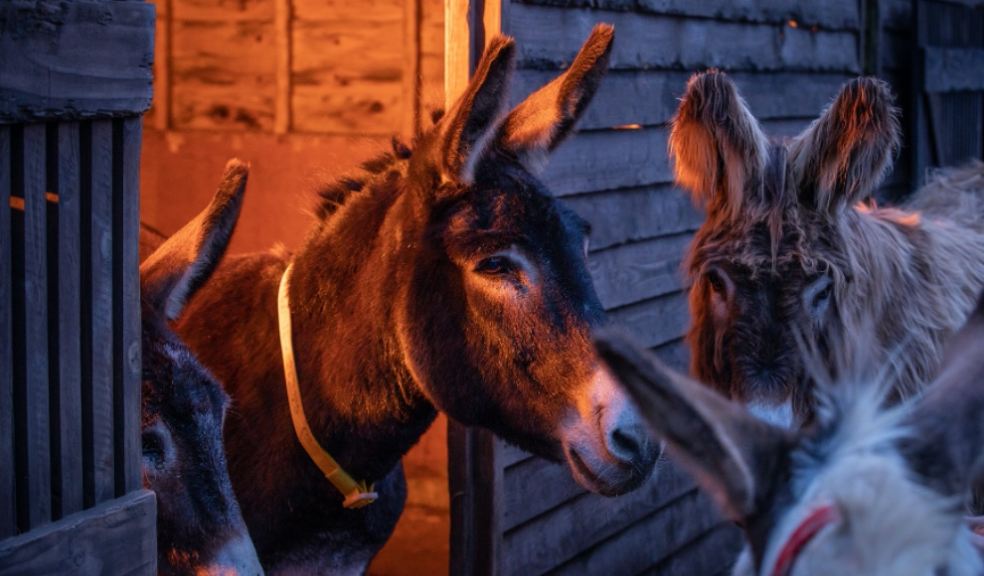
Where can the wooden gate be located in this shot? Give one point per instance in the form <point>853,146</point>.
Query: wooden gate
<point>75,78</point>
<point>948,119</point>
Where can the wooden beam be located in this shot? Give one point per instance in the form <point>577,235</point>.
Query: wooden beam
<point>93,59</point>
<point>8,506</point>
<point>282,26</point>
<point>411,78</point>
<point>162,66</point>
<point>118,536</point>
<point>953,69</point>
<point>474,475</point>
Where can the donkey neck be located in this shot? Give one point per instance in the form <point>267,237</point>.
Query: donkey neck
<point>362,402</point>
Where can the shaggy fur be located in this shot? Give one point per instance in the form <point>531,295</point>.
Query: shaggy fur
<point>199,526</point>
<point>895,476</point>
<point>442,278</point>
<point>786,248</point>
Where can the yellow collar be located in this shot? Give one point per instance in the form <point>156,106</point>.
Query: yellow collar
<point>357,494</point>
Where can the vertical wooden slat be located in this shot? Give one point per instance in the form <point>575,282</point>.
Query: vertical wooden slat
<point>128,298</point>
<point>474,476</point>
<point>101,255</point>
<point>411,68</point>
<point>8,510</point>
<point>37,472</point>
<point>282,27</point>
<point>69,329</point>
<point>162,66</point>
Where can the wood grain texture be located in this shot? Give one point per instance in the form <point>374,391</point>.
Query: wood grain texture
<point>74,59</point>
<point>713,552</point>
<point>831,15</point>
<point>223,74</point>
<point>564,531</point>
<point>607,160</point>
<point>129,296</point>
<point>347,67</point>
<point>639,271</point>
<point>657,537</point>
<point>118,537</point>
<point>634,214</point>
<point>101,255</point>
<point>35,484</point>
<point>651,42</point>
<point>654,322</point>
<point>651,97</point>
<point>69,321</point>
<point>953,69</point>
<point>8,507</point>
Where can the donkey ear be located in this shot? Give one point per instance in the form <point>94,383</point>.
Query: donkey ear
<point>732,455</point>
<point>845,153</point>
<point>718,148</point>
<point>180,266</point>
<point>541,122</point>
<point>467,129</point>
<point>949,420</point>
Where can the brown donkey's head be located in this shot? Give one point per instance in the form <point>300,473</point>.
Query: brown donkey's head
<point>500,305</point>
<point>199,526</point>
<point>770,264</point>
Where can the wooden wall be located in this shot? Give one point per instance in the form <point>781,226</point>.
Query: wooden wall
<point>789,59</point>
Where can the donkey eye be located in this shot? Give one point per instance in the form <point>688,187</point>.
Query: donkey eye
<point>495,266</point>
<point>716,281</point>
<point>822,295</point>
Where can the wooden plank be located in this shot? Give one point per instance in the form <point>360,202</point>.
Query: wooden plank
<point>675,353</point>
<point>953,69</point>
<point>83,59</point>
<point>36,485</point>
<point>101,255</point>
<point>223,75</point>
<point>652,539</point>
<point>897,14</point>
<point>128,296</point>
<point>635,214</point>
<point>431,60</point>
<point>348,73</point>
<point>639,271</point>
<point>714,552</point>
<point>8,507</point>
<point>159,115</point>
<point>828,15</point>
<point>657,321</point>
<point>510,455</point>
<point>69,321</point>
<point>281,24</point>
<point>648,41</point>
<point>560,534</point>
<point>411,79</point>
<point>651,97</point>
<point>224,10</point>
<point>119,535</point>
<point>534,486</point>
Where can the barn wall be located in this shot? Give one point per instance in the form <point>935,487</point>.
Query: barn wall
<point>305,90</point>
<point>789,59</point>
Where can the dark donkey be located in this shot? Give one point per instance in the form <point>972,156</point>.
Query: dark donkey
<point>787,249</point>
<point>444,278</point>
<point>200,529</point>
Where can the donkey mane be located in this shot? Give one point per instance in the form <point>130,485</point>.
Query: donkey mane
<point>333,195</point>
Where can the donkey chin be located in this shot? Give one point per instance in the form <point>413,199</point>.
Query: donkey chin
<point>605,440</point>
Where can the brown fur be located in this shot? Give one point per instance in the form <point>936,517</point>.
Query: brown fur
<point>786,251</point>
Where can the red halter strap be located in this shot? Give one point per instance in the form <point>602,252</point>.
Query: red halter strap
<point>818,518</point>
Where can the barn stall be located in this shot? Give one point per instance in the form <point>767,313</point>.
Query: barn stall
<point>306,90</point>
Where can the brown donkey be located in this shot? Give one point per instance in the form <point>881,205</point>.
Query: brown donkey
<point>787,251</point>
<point>200,529</point>
<point>442,278</point>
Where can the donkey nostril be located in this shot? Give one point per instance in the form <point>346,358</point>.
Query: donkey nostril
<point>628,443</point>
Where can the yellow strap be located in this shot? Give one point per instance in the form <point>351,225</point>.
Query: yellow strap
<point>357,494</point>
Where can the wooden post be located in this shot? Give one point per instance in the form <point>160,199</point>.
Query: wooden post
<point>8,508</point>
<point>282,21</point>
<point>411,69</point>
<point>474,473</point>
<point>162,67</point>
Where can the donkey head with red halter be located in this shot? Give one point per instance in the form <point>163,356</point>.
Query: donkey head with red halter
<point>868,490</point>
